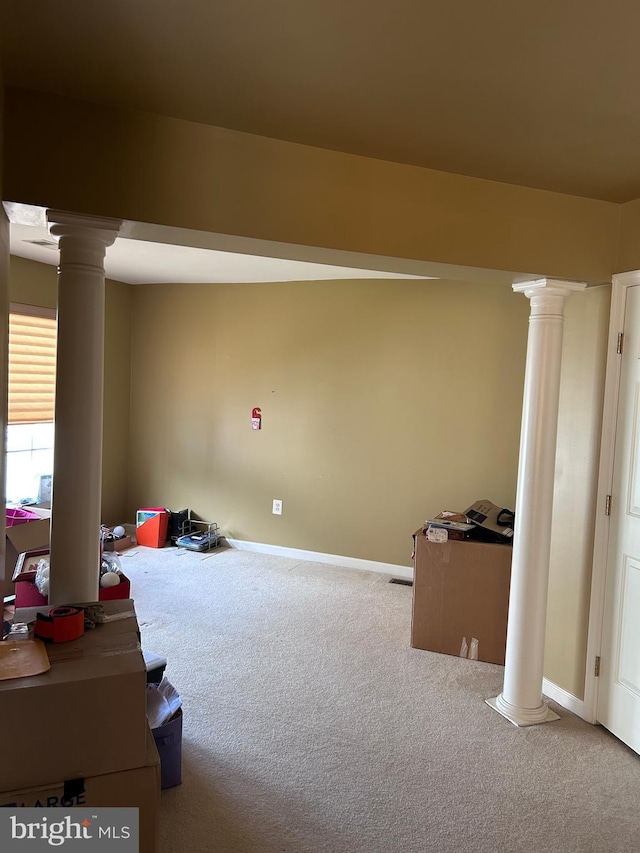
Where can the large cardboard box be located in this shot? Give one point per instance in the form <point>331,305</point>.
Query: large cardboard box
<point>461,593</point>
<point>86,716</point>
<point>117,544</point>
<point>137,788</point>
<point>26,537</point>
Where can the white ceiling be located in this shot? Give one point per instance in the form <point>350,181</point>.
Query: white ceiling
<point>142,262</point>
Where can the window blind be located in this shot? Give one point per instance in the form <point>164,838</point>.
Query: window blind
<point>32,368</point>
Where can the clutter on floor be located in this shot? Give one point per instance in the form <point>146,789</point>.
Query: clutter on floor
<point>203,536</point>
<point>115,539</point>
<point>155,526</point>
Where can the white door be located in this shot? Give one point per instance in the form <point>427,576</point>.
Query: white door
<point>619,691</point>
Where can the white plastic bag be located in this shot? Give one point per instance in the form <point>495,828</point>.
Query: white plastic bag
<point>163,700</point>
<point>42,577</point>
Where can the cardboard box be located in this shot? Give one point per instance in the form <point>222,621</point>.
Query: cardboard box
<point>26,537</point>
<point>117,544</point>
<point>41,510</point>
<point>461,593</point>
<point>137,788</point>
<point>27,594</point>
<point>86,716</point>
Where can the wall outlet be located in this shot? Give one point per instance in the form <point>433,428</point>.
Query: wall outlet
<point>277,508</point>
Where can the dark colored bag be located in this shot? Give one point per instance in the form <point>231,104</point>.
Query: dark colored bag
<point>492,523</point>
<point>177,524</point>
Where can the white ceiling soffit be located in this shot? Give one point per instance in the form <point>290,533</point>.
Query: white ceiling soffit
<point>147,253</point>
<point>142,262</point>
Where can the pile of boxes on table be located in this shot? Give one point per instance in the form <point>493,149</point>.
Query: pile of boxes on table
<point>77,733</point>
<point>462,572</point>
<point>27,547</point>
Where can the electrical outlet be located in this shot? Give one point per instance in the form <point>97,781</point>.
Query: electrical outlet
<point>277,507</point>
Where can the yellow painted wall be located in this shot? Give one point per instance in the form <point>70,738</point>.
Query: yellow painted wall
<point>117,392</point>
<point>36,284</point>
<point>383,403</point>
<point>31,283</point>
<point>154,169</point>
<point>579,427</point>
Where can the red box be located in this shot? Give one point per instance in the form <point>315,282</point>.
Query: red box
<point>27,594</point>
<point>151,526</point>
<point>121,590</point>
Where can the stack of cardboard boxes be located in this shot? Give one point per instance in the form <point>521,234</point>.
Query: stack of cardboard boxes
<point>78,734</point>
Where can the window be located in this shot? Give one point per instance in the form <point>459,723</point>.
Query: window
<point>30,430</point>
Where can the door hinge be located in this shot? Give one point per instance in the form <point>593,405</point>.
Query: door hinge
<point>596,670</point>
<point>607,505</point>
<point>620,342</point>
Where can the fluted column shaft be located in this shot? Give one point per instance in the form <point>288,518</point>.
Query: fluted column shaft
<point>77,478</point>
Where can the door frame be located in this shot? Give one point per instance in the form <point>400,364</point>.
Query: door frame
<point>619,288</point>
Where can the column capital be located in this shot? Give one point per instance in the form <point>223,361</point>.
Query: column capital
<point>552,286</point>
<point>64,224</point>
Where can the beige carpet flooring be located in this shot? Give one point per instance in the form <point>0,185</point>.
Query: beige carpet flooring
<point>311,726</point>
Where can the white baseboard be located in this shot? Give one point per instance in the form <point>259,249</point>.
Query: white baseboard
<point>563,697</point>
<point>405,572</point>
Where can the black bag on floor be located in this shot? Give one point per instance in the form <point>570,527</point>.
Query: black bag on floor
<point>177,524</point>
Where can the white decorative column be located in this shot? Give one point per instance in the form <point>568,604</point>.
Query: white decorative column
<point>77,469</point>
<point>521,700</point>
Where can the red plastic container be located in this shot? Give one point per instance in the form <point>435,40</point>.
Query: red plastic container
<point>151,526</point>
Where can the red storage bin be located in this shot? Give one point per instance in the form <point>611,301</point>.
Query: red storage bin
<point>151,526</point>
<point>27,594</point>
